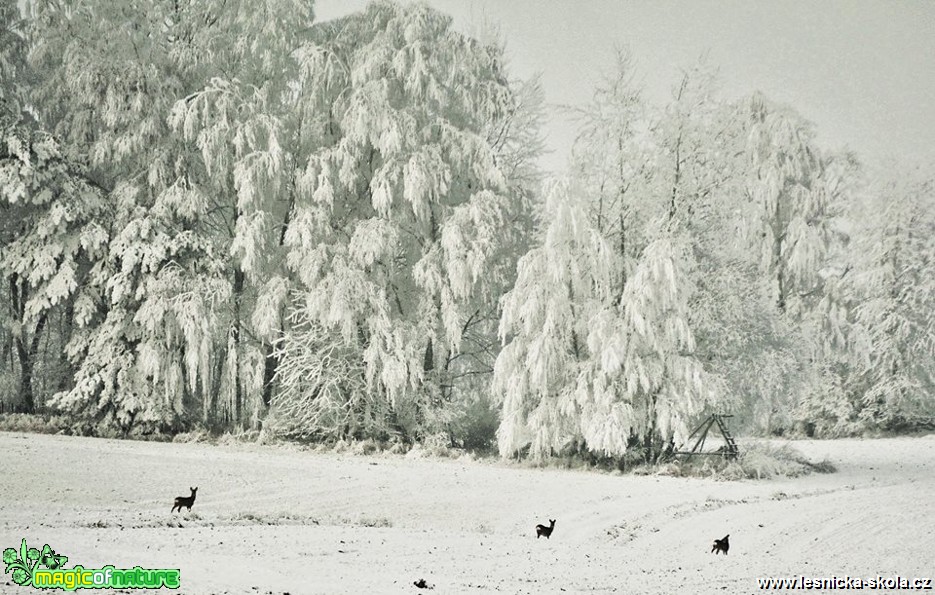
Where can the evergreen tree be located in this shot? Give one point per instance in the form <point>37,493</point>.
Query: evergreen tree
<point>52,230</point>
<point>174,111</point>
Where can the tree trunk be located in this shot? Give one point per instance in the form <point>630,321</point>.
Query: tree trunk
<point>27,357</point>
<point>677,178</point>
<point>235,330</point>
<point>66,373</point>
<point>27,404</point>
<point>428,359</point>
<point>781,302</point>
<point>271,365</point>
<point>650,451</point>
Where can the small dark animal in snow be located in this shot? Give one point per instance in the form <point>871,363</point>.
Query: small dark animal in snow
<point>422,584</point>
<point>185,501</point>
<point>543,531</point>
<point>721,545</point>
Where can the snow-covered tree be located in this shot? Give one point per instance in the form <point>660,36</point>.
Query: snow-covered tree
<point>892,293</point>
<point>599,322</point>
<point>212,210</point>
<point>247,129</point>
<point>545,326</point>
<point>174,110</point>
<point>245,152</point>
<point>613,159</point>
<point>739,207</point>
<point>403,210</point>
<point>51,230</point>
<point>587,363</point>
<point>792,189</point>
<point>799,193</point>
<point>52,233</point>
<point>12,58</point>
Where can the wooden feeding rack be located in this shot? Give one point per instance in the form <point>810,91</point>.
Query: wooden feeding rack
<point>729,450</point>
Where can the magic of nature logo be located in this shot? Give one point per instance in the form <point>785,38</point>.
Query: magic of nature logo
<point>45,569</point>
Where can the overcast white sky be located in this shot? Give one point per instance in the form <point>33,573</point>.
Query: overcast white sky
<point>862,71</point>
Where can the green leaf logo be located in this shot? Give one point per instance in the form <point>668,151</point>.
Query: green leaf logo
<point>21,577</point>
<point>50,559</point>
<point>18,563</point>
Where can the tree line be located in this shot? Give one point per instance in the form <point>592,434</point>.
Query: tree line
<point>226,214</point>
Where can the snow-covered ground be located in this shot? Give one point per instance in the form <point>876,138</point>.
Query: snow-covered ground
<point>275,520</point>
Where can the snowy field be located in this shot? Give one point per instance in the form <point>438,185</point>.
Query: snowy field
<point>274,520</point>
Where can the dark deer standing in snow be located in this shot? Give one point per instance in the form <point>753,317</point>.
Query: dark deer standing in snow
<point>185,501</point>
<point>721,545</point>
<point>543,531</point>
